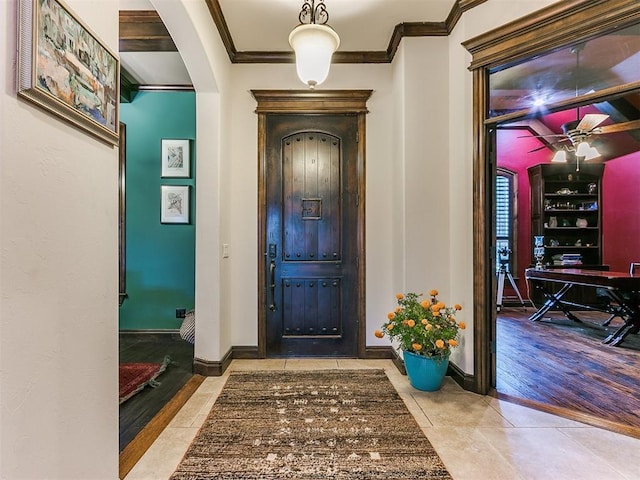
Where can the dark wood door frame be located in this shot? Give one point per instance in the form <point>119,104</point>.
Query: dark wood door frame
<point>310,102</point>
<point>559,25</point>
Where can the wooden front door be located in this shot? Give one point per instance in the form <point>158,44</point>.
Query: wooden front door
<point>312,256</point>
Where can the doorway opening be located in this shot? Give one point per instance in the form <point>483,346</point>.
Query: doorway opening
<point>549,26</point>
<point>557,362</point>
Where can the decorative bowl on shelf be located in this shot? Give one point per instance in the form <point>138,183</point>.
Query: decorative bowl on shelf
<point>566,191</point>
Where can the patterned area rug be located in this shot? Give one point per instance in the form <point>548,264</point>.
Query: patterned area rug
<point>133,377</point>
<point>328,424</point>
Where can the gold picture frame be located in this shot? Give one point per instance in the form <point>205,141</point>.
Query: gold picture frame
<point>64,68</point>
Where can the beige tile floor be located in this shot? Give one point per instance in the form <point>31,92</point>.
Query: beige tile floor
<point>477,437</point>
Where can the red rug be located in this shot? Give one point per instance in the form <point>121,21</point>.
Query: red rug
<point>134,377</point>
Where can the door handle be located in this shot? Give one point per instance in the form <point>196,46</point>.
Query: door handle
<point>272,276</point>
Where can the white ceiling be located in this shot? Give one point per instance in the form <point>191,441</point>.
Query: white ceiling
<point>156,68</point>
<point>260,25</point>
<point>264,25</point>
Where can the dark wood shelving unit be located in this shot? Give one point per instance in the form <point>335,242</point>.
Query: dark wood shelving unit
<point>560,196</point>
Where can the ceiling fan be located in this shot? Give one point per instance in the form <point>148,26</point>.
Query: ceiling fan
<point>577,132</point>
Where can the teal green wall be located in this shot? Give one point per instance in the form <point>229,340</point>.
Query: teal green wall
<point>160,258</point>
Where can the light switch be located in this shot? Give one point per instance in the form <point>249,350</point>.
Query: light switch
<point>225,250</point>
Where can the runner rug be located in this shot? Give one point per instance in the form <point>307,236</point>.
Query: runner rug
<point>327,424</point>
<point>134,377</point>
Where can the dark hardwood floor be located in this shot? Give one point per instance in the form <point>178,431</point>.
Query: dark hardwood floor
<point>139,410</point>
<point>563,365</point>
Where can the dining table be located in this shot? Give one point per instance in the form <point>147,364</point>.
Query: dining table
<point>621,288</point>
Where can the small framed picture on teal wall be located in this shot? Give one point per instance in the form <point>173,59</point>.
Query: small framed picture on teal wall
<point>175,158</point>
<point>174,204</point>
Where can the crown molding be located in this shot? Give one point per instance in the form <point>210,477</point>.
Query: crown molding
<point>223,28</point>
<point>128,86</point>
<point>406,29</point>
<point>457,10</point>
<point>413,29</point>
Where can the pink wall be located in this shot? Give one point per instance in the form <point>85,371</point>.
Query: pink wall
<point>621,212</point>
<point>620,201</point>
<point>512,154</point>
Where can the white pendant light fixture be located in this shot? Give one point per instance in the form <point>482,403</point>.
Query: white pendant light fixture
<point>314,43</point>
<point>592,153</point>
<point>582,149</point>
<point>560,156</point>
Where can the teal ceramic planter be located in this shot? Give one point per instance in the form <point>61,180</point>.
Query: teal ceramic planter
<point>425,373</point>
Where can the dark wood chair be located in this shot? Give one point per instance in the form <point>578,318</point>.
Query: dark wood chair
<point>613,307</point>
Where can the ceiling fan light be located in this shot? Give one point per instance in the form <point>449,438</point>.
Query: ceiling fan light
<point>314,46</point>
<point>592,153</point>
<point>582,149</point>
<point>560,157</point>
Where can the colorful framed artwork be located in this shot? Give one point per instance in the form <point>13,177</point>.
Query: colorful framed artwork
<point>174,204</point>
<point>65,69</point>
<point>175,158</point>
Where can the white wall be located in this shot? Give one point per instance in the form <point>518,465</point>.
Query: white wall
<point>486,16</point>
<point>419,172</point>
<point>419,180</point>
<point>242,179</point>
<point>396,176</point>
<point>425,186</point>
<point>58,282</point>
<point>58,230</point>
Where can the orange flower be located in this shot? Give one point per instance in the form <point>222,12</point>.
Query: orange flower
<point>457,306</point>
<point>378,334</point>
<point>425,304</point>
<point>424,321</point>
<point>441,305</point>
<point>453,343</point>
<point>462,325</point>
<point>411,323</point>
<point>428,326</point>
<point>391,315</point>
<point>390,326</point>
<point>435,307</point>
<point>399,296</point>
<point>416,346</point>
<point>404,322</point>
<point>398,309</point>
<point>436,313</point>
<point>439,343</point>
<point>433,293</point>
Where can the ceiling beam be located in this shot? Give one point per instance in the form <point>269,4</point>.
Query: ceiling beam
<point>621,112</point>
<point>144,31</point>
<point>536,129</point>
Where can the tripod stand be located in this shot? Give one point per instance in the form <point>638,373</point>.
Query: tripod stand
<point>503,273</point>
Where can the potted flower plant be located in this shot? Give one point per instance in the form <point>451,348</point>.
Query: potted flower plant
<point>426,330</point>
